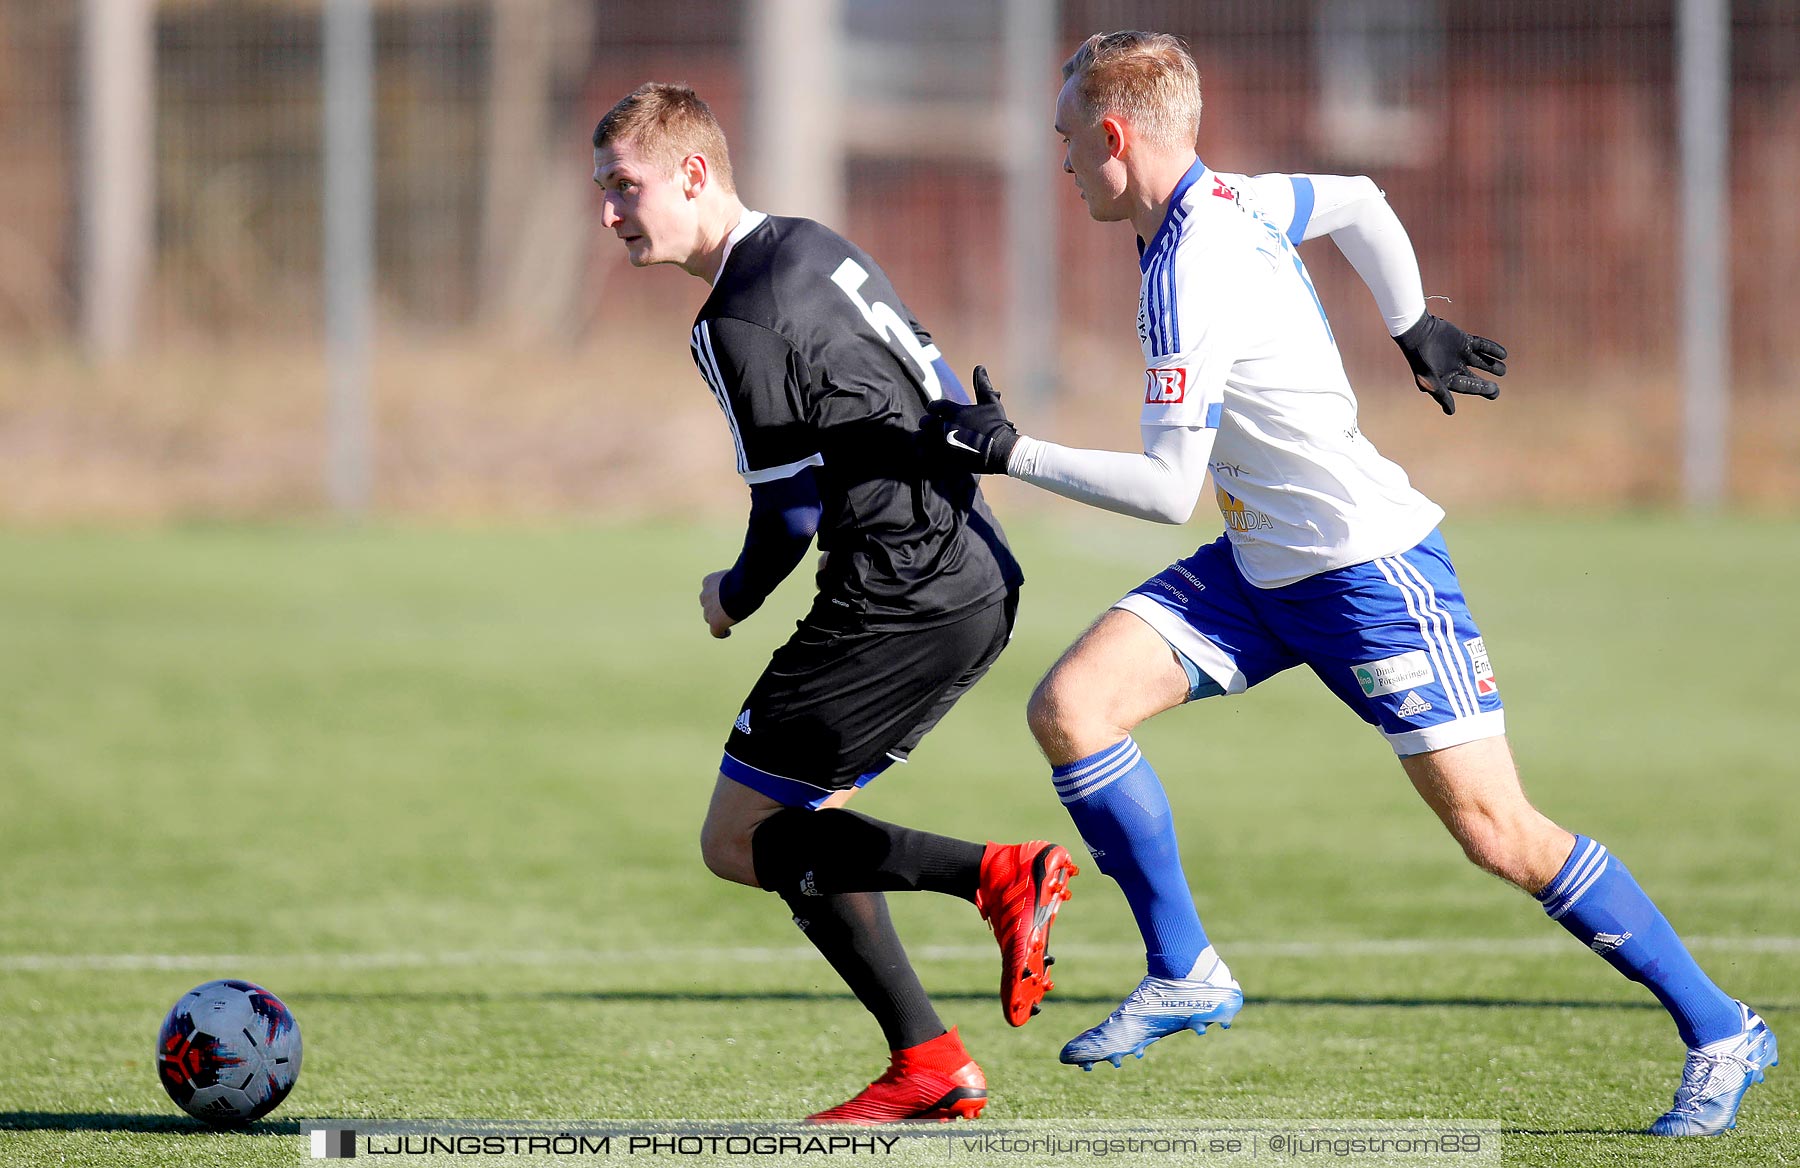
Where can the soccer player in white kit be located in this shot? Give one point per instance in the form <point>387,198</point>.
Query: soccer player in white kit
<point>1330,559</point>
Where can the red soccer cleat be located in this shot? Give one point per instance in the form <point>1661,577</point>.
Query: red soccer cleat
<point>935,1080</point>
<point>1022,886</point>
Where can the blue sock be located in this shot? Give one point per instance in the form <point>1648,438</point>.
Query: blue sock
<point>1118,806</point>
<point>1596,899</point>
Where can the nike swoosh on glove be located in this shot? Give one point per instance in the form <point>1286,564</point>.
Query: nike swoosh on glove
<point>977,438</point>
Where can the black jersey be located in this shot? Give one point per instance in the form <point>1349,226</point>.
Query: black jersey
<point>817,363</point>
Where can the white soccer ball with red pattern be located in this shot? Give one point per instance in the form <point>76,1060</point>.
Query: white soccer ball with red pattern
<point>228,1052</point>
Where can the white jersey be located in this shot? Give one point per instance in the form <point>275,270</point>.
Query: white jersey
<point>1236,339</point>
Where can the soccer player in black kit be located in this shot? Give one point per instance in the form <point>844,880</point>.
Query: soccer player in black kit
<point>823,376</point>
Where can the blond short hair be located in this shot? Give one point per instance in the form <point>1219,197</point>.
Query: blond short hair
<point>1146,76</point>
<point>667,123</point>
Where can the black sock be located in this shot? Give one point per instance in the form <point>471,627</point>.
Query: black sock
<point>833,851</point>
<point>853,932</point>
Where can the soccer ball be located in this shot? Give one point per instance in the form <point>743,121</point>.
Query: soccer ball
<point>228,1052</point>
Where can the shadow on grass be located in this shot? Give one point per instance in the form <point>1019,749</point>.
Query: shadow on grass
<point>119,1121</point>
<point>1509,1132</point>
<point>648,996</point>
<point>110,1121</point>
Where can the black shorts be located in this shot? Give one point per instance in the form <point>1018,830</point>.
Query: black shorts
<point>837,706</point>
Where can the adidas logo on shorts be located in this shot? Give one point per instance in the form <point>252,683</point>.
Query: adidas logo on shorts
<point>742,725</point>
<point>1413,706</point>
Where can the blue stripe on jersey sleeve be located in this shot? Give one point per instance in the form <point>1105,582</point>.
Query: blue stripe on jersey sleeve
<point>1159,317</point>
<point>1160,306</point>
<point>950,383</point>
<point>1159,280</point>
<point>1213,413</point>
<point>1148,295</point>
<point>1174,311</point>
<point>1303,208</point>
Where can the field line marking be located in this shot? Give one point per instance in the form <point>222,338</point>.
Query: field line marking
<point>1548,946</point>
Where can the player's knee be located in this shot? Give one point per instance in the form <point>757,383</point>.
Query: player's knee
<point>1040,712</point>
<point>1484,851</point>
<point>1071,714</point>
<point>1054,713</point>
<point>726,853</point>
<point>1498,845</point>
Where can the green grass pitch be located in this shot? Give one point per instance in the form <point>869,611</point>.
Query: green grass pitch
<point>440,790</point>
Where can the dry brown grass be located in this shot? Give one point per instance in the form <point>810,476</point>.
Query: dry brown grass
<point>480,430</point>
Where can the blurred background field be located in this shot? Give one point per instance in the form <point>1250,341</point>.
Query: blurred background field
<point>440,789</point>
<point>347,626</point>
<point>165,227</point>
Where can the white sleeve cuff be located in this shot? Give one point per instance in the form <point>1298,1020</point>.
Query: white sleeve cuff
<point>1024,454</point>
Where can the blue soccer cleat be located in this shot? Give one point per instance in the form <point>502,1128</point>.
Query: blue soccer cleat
<point>1715,1078</point>
<point>1159,1007</point>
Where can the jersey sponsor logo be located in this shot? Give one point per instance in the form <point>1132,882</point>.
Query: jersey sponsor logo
<point>1413,706</point>
<point>1484,673</point>
<point>1393,674</point>
<point>1238,517</point>
<point>1188,576</point>
<point>1164,387</point>
<point>1180,596</point>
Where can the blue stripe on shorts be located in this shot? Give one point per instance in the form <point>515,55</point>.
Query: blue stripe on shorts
<point>785,791</point>
<point>1392,638</point>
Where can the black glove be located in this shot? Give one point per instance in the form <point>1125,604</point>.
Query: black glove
<point>1440,355</point>
<point>975,438</point>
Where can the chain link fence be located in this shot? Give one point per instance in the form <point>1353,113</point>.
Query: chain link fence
<point>1530,146</point>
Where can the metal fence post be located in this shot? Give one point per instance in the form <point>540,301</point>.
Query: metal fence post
<point>118,188</point>
<point>349,80</point>
<point>1705,79</point>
